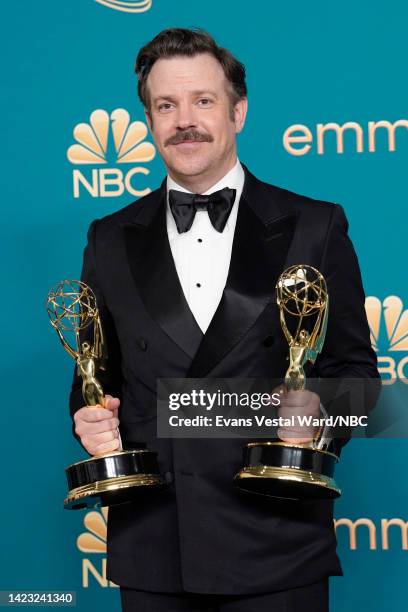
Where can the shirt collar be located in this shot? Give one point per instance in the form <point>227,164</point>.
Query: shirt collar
<point>234,179</point>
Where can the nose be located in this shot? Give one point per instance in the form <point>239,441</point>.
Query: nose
<point>186,116</point>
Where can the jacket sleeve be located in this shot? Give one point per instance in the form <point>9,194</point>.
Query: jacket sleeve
<point>110,377</point>
<point>347,353</point>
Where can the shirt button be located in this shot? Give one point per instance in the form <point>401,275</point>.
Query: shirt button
<point>199,240</point>
<point>198,284</point>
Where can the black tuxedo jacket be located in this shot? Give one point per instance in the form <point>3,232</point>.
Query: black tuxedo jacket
<point>201,534</point>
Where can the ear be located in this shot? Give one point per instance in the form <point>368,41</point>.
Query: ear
<point>240,111</point>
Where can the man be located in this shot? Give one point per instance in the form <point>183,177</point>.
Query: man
<point>185,287</point>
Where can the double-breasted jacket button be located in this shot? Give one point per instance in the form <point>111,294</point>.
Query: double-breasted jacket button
<point>168,477</point>
<point>268,341</point>
<point>142,343</point>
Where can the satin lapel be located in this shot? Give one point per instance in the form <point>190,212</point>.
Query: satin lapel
<point>155,275</point>
<point>258,257</point>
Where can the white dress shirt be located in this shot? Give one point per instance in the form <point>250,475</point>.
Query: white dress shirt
<point>202,255</point>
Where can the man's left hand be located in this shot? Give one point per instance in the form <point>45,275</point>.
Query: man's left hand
<point>298,403</point>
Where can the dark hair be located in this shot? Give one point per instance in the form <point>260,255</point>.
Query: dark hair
<point>181,41</point>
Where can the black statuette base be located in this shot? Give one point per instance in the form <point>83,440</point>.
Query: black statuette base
<point>278,469</point>
<point>111,479</point>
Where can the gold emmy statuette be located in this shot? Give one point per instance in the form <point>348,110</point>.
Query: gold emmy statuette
<point>111,478</point>
<point>276,468</point>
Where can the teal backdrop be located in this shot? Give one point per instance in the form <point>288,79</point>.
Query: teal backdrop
<point>314,65</point>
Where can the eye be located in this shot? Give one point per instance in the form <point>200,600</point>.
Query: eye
<point>205,102</point>
<point>165,107</point>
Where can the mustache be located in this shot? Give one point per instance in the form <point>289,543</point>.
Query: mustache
<point>193,135</point>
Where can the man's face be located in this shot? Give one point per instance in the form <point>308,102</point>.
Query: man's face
<point>191,118</point>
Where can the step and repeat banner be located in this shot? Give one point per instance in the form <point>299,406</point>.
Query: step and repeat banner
<point>327,118</point>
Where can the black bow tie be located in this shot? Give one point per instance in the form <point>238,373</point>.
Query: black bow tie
<point>185,205</point>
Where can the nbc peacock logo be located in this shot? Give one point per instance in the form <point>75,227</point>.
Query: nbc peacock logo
<point>388,322</point>
<point>110,140</point>
<point>128,6</point>
<point>93,541</point>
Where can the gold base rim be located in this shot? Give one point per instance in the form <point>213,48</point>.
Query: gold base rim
<point>112,484</point>
<point>289,474</point>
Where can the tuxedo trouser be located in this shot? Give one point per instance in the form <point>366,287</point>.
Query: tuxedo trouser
<point>311,597</point>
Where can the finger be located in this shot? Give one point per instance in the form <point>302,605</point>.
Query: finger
<point>297,435</point>
<point>112,403</point>
<point>91,414</point>
<point>300,398</point>
<point>298,431</point>
<point>85,428</point>
<point>288,438</point>
<point>95,440</point>
<point>289,412</point>
<point>107,447</point>
<point>295,398</point>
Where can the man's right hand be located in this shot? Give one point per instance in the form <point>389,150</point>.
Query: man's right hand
<point>97,427</point>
